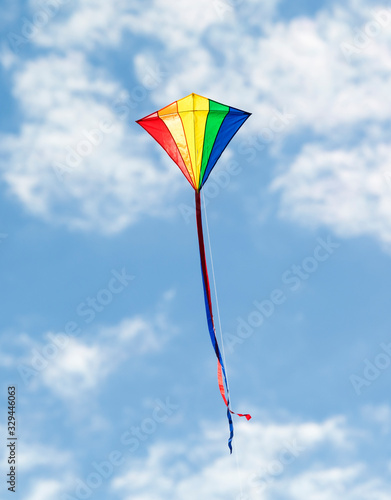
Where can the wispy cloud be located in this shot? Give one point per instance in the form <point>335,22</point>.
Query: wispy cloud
<point>75,161</point>
<point>45,489</point>
<point>84,360</point>
<point>345,189</point>
<point>85,363</point>
<point>295,64</point>
<point>274,459</point>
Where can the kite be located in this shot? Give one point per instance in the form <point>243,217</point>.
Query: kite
<point>194,132</point>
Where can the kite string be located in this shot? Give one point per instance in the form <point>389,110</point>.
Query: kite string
<point>215,289</point>
<point>221,331</point>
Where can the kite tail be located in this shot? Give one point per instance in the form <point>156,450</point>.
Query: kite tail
<point>221,374</point>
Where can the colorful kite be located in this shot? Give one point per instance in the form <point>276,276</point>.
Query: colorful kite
<point>194,132</point>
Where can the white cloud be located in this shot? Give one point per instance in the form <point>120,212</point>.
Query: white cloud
<point>7,57</point>
<point>139,331</point>
<point>97,24</point>
<point>32,455</point>
<point>334,482</point>
<point>274,460</point>
<point>86,362</point>
<point>88,25</point>
<point>44,468</point>
<point>243,57</point>
<point>45,489</point>
<point>62,362</point>
<point>107,184</point>
<point>79,365</point>
<point>62,96</point>
<point>337,179</point>
<point>380,415</point>
<point>345,189</point>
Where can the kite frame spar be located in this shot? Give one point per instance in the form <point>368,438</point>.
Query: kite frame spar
<point>195,132</point>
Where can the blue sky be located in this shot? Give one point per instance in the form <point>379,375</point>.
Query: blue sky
<point>121,401</point>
